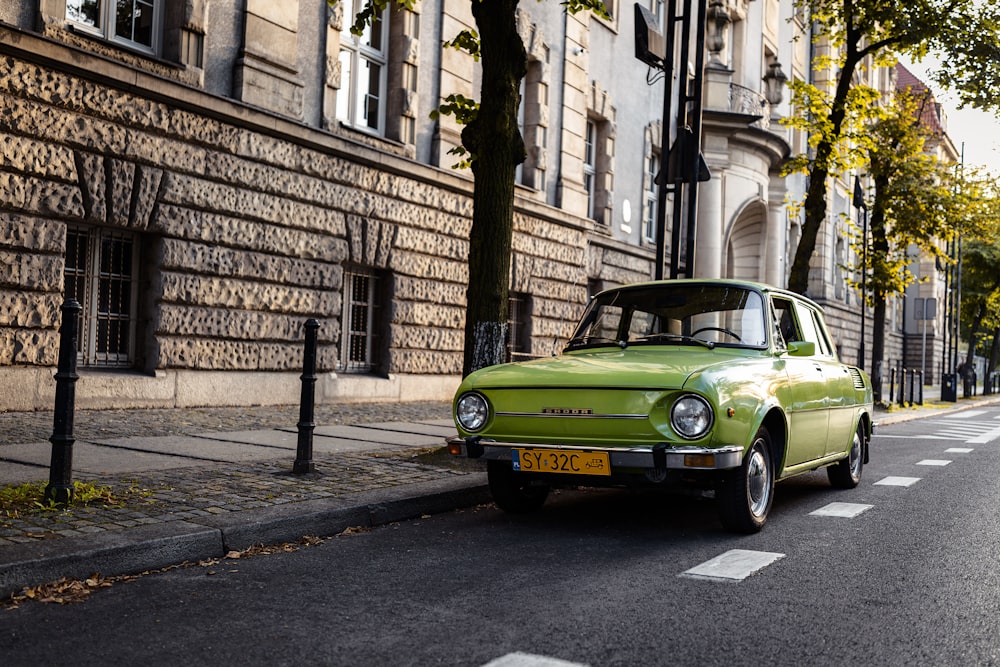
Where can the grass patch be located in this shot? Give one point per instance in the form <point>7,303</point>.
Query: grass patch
<point>29,498</point>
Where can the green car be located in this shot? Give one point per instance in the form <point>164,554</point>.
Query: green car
<point>721,386</point>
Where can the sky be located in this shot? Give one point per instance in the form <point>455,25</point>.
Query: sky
<point>977,132</point>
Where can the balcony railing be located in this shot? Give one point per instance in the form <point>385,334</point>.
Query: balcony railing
<point>746,101</point>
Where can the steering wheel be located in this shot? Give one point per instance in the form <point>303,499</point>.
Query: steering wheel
<point>719,329</point>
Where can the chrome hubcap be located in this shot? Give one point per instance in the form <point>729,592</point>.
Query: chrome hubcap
<point>758,482</point>
<point>856,456</point>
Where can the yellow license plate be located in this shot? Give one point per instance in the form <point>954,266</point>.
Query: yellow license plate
<point>562,461</point>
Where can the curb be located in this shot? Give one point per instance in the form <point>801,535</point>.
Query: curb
<point>157,546</point>
<point>934,408</point>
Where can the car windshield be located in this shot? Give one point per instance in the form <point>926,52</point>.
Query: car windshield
<point>671,314</point>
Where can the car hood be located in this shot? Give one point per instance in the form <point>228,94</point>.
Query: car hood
<point>662,367</point>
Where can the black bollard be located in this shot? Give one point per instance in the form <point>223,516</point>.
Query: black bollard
<point>60,487</point>
<point>307,403</point>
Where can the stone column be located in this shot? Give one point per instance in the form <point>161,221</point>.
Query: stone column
<point>711,222</point>
<point>266,74</point>
<point>777,238</point>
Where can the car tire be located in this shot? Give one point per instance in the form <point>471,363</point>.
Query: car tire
<point>846,474</point>
<point>511,492</point>
<point>744,495</point>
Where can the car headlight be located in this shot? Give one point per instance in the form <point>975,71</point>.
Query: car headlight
<point>691,416</point>
<point>472,411</point>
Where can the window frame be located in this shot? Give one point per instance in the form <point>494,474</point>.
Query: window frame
<point>518,343</point>
<point>351,110</point>
<point>347,348</point>
<point>93,280</point>
<point>651,198</point>
<point>107,26</point>
<point>590,166</point>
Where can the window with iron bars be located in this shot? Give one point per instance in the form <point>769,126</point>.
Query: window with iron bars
<point>359,321</point>
<point>100,273</point>
<point>518,327</point>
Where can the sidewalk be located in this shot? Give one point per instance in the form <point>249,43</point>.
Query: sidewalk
<point>197,488</point>
<point>200,483</point>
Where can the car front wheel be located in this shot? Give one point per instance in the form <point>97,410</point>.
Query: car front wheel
<point>511,491</point>
<point>847,473</point>
<point>745,494</point>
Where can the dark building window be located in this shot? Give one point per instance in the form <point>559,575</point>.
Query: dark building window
<point>518,327</point>
<point>361,321</point>
<point>100,273</point>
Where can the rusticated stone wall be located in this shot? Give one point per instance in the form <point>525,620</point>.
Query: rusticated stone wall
<point>246,222</point>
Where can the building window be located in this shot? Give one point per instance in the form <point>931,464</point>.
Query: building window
<point>100,274</point>
<point>363,69</point>
<point>649,232</point>
<point>590,167</point>
<point>134,23</point>
<point>518,326</point>
<point>360,320</point>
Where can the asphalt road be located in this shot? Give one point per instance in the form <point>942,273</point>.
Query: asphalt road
<point>599,578</point>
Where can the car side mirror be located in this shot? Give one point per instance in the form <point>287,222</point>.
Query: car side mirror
<point>801,348</point>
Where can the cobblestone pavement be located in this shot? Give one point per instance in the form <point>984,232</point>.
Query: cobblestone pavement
<point>20,427</point>
<point>204,489</point>
<point>187,493</point>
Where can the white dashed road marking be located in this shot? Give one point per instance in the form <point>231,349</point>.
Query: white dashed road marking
<point>958,450</point>
<point>734,565</point>
<point>933,462</point>
<point>982,439</point>
<point>968,413</point>
<point>897,481</point>
<point>845,510</point>
<point>519,659</point>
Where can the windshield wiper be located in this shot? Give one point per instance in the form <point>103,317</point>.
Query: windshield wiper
<point>656,336</point>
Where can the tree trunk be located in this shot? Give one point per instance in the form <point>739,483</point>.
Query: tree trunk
<point>877,258</point>
<point>815,202</point>
<point>878,343</point>
<point>495,142</point>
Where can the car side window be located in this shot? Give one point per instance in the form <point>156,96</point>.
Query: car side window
<point>784,321</point>
<point>812,331</point>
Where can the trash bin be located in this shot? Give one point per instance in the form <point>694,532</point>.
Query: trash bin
<point>948,392</point>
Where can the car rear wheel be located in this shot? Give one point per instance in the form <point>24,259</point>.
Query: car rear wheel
<point>847,473</point>
<point>511,491</point>
<point>745,494</point>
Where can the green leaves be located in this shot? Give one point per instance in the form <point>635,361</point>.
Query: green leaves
<point>468,41</point>
<point>595,6</point>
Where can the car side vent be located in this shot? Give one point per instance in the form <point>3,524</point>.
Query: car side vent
<point>859,382</point>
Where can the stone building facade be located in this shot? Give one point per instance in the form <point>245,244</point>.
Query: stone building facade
<point>206,178</point>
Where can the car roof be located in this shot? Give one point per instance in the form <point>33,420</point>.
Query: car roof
<point>747,284</point>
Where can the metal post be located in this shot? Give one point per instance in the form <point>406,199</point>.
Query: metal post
<point>694,165</point>
<point>307,403</point>
<point>679,125</point>
<point>892,383</point>
<point>60,486</point>
<point>661,192</point>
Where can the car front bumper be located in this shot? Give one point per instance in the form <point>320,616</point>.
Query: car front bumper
<point>657,457</point>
